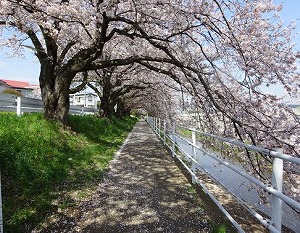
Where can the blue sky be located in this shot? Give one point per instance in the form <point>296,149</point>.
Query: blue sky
<point>27,69</point>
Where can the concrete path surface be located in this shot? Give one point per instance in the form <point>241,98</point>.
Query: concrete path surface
<point>144,191</point>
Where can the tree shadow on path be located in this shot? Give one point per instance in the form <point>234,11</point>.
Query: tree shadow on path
<point>144,191</point>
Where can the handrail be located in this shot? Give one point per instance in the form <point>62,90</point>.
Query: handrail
<point>267,188</point>
<point>262,150</point>
<point>19,105</point>
<point>274,225</point>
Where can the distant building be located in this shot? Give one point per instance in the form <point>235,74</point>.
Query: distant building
<point>26,89</point>
<point>33,91</point>
<point>89,100</point>
<point>295,106</point>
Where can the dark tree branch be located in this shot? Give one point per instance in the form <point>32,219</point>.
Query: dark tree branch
<point>95,89</point>
<point>82,85</point>
<point>65,51</point>
<point>40,51</point>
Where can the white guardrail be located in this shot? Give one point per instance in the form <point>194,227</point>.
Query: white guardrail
<point>168,136</point>
<point>12,103</point>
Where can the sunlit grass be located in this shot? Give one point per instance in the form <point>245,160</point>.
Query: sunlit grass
<point>219,229</point>
<point>40,162</point>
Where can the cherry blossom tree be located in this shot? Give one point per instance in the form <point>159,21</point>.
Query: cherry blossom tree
<point>121,89</point>
<point>69,37</point>
<point>112,85</point>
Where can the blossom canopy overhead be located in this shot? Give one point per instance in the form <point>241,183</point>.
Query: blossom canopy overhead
<point>221,52</point>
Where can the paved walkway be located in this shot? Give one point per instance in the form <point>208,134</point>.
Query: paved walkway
<point>143,192</point>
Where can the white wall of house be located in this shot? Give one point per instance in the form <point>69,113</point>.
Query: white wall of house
<point>2,88</point>
<point>25,92</point>
<point>84,100</point>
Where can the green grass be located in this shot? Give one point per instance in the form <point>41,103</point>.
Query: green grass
<point>44,166</point>
<point>219,229</point>
<point>184,132</point>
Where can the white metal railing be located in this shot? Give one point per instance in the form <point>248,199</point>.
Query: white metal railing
<point>275,190</point>
<point>12,103</point>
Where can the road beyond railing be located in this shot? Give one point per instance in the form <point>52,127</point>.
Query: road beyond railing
<point>192,162</point>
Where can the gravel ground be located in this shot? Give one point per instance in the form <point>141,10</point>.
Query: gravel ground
<point>143,191</point>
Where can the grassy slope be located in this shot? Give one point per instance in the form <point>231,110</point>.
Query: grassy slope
<point>41,162</point>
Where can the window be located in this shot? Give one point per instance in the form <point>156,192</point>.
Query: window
<point>90,98</point>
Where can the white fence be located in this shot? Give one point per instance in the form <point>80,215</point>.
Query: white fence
<point>12,103</point>
<point>192,163</point>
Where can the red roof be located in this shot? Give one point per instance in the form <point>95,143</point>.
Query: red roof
<point>16,84</point>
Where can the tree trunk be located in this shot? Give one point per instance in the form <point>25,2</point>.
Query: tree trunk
<point>57,104</point>
<point>106,108</point>
<point>55,93</point>
<point>122,110</point>
<point>107,100</point>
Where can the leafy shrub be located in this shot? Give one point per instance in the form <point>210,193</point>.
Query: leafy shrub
<point>12,92</point>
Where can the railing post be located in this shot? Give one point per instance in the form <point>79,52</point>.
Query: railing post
<point>154,124</point>
<point>19,113</point>
<point>1,216</point>
<point>154,128</point>
<point>194,155</point>
<point>173,137</point>
<point>159,127</point>
<point>165,126</point>
<point>277,180</point>
<point>82,111</point>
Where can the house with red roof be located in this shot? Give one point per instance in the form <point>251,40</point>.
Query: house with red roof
<point>25,88</point>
